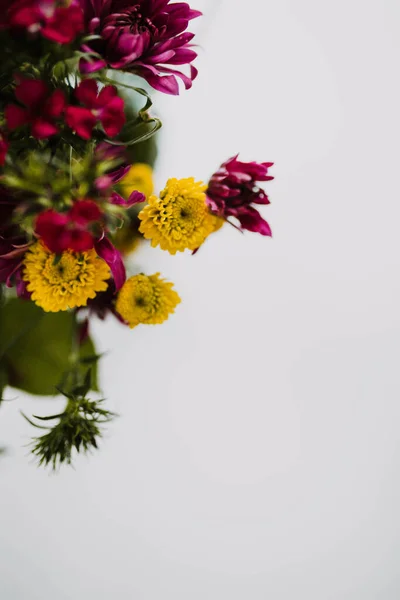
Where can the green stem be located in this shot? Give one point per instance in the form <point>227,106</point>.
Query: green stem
<point>72,376</point>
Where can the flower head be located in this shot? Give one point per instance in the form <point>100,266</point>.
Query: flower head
<point>71,230</point>
<point>105,107</point>
<point>67,283</point>
<point>146,299</point>
<point>41,108</point>
<point>179,219</point>
<point>57,20</point>
<point>233,189</point>
<point>147,37</point>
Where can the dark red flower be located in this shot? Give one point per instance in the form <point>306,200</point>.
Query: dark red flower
<point>40,110</point>
<point>3,148</point>
<point>105,107</point>
<point>57,20</point>
<point>84,212</point>
<point>147,37</point>
<point>51,227</point>
<point>71,230</point>
<point>233,189</point>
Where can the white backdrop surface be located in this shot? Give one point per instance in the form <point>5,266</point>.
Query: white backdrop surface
<point>257,455</point>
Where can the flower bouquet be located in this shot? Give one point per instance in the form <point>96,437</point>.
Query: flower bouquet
<point>76,194</point>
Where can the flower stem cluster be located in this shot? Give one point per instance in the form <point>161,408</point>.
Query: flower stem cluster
<point>78,428</point>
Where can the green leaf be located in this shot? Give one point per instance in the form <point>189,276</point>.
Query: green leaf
<point>35,347</point>
<point>92,359</point>
<point>141,132</point>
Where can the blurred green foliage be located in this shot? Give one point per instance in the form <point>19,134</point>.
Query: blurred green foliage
<point>35,348</point>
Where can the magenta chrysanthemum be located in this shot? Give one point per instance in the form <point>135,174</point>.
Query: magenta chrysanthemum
<point>147,37</point>
<point>233,189</point>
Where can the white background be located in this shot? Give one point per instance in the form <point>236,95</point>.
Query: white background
<point>257,455</point>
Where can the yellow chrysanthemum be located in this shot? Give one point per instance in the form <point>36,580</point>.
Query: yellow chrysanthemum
<point>146,299</point>
<point>65,284</point>
<point>140,178</point>
<point>179,219</point>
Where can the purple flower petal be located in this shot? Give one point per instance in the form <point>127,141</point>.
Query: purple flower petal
<point>112,257</point>
<point>21,286</point>
<point>135,198</point>
<point>253,221</point>
<point>86,67</point>
<point>119,173</point>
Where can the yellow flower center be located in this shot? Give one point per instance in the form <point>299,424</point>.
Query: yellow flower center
<point>179,219</point>
<point>67,272</point>
<point>65,283</point>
